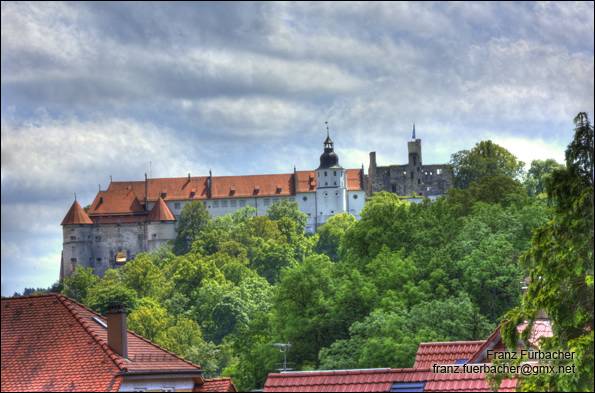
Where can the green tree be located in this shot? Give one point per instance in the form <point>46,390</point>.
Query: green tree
<point>331,233</point>
<point>290,210</point>
<point>390,337</point>
<point>538,174</point>
<point>149,319</point>
<point>110,292</point>
<point>193,219</point>
<point>302,309</point>
<point>560,265</point>
<point>185,339</point>
<point>78,283</point>
<point>143,276</point>
<point>486,159</point>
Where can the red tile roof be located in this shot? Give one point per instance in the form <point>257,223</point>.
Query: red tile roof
<point>76,216</point>
<point>429,354</point>
<point>53,343</point>
<point>127,197</point>
<point>378,380</point>
<point>160,212</point>
<point>371,380</point>
<point>216,385</point>
<point>465,383</point>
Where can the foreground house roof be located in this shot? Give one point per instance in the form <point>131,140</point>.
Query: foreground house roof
<point>420,378</point>
<point>451,352</point>
<point>52,343</point>
<point>216,385</point>
<point>381,380</point>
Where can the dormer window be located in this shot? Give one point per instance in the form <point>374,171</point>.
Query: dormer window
<point>163,194</point>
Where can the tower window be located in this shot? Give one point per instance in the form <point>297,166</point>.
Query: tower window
<point>418,181</point>
<point>335,183</point>
<point>305,198</point>
<point>355,196</point>
<point>334,173</point>
<point>72,237</point>
<point>177,205</point>
<point>411,175</point>
<point>325,173</point>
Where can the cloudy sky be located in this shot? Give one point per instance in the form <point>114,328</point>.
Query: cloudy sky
<point>91,90</point>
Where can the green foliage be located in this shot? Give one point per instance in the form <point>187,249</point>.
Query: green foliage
<point>538,174</point>
<point>78,283</point>
<point>109,292</point>
<point>389,338</point>
<point>290,212</point>
<point>331,233</point>
<point>149,319</point>
<point>193,219</point>
<point>486,159</point>
<point>560,265</point>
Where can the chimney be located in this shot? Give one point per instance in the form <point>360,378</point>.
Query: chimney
<point>117,333</point>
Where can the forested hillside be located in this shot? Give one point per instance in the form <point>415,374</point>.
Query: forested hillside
<point>356,294</point>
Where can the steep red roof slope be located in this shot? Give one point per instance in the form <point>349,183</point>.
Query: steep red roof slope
<point>46,348</point>
<point>52,343</point>
<point>76,216</point>
<point>160,212</point>
<point>429,354</point>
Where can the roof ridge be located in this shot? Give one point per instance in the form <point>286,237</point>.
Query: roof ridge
<point>70,306</point>
<point>453,342</point>
<point>37,295</point>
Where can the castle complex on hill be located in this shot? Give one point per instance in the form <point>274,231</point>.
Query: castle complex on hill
<point>130,217</point>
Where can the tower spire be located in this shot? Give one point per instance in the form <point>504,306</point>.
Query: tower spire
<point>413,136</point>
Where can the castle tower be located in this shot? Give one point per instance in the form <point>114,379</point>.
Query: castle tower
<point>77,229</point>
<point>414,164</point>
<point>161,225</point>
<point>331,192</point>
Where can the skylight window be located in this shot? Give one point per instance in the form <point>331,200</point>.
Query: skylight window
<point>100,322</point>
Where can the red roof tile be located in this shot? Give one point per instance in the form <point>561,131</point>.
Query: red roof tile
<point>160,212</point>
<point>76,216</point>
<point>378,380</point>
<point>52,343</point>
<point>429,354</point>
<point>465,383</point>
<point>127,197</point>
<point>117,201</point>
<point>216,385</point>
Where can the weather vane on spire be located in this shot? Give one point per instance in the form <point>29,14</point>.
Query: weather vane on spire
<point>326,123</point>
<point>413,136</point>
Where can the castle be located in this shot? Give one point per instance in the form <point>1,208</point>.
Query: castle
<point>135,216</point>
<point>130,217</point>
<point>411,179</point>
